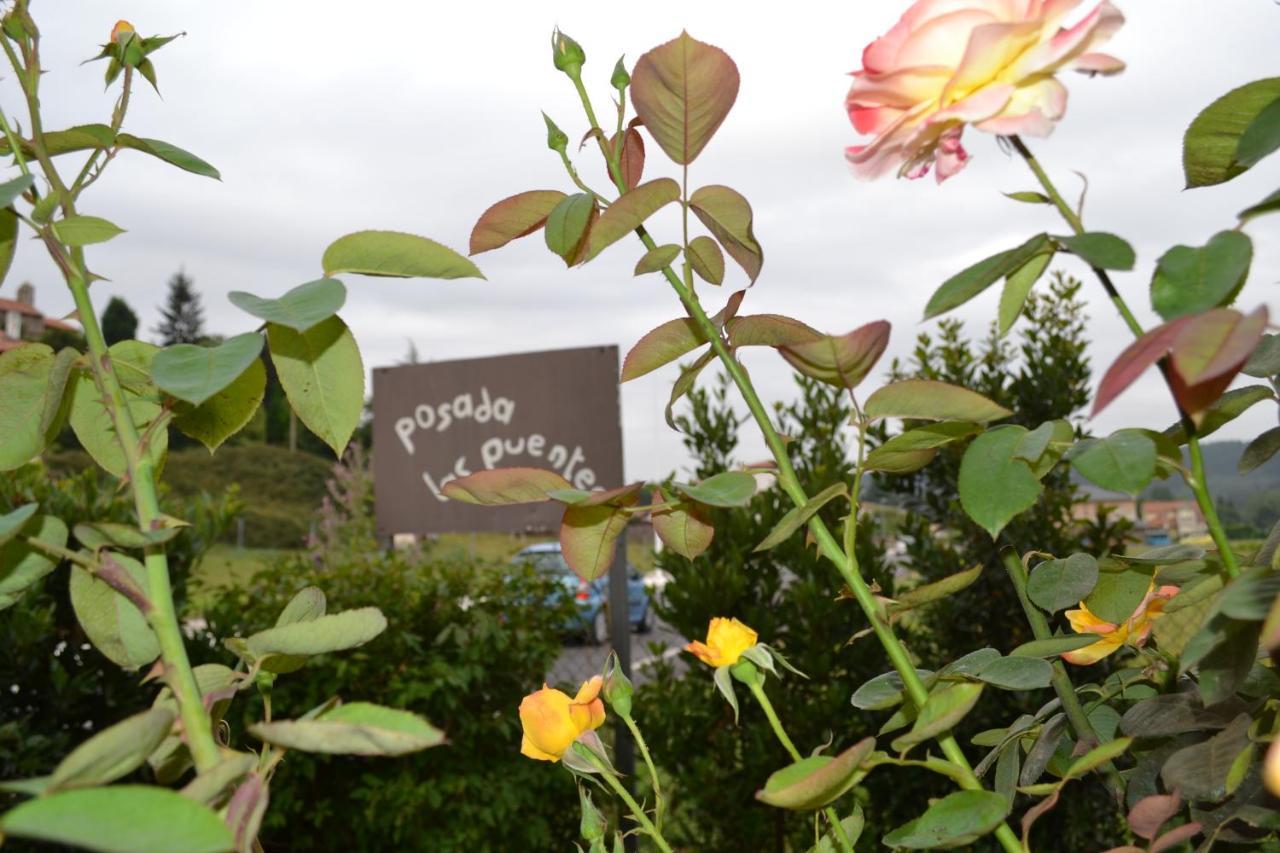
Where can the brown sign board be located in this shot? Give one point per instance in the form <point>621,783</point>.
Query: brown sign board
<point>435,422</point>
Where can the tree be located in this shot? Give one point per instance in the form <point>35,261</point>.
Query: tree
<point>119,323</point>
<point>181,317</point>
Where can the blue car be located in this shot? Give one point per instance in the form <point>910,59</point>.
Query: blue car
<point>592,620</point>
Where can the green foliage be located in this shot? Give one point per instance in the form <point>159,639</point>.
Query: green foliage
<point>119,323</point>
<point>182,315</point>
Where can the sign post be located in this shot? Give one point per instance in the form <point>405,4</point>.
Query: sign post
<point>559,410</point>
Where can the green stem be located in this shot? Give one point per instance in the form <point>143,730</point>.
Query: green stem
<point>163,616</point>
<point>1060,680</point>
<point>636,811</point>
<point>790,483</point>
<point>648,762</point>
<point>757,690</point>
<point>1199,485</point>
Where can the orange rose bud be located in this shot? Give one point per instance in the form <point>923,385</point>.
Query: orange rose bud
<point>121,32</point>
<point>727,639</point>
<point>1132,632</point>
<point>552,721</point>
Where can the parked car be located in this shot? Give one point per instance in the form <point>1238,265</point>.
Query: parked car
<point>590,599</point>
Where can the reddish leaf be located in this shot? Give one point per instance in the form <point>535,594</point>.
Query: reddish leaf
<point>1150,813</point>
<point>621,496</point>
<point>770,330</point>
<point>684,529</point>
<point>1216,343</point>
<point>588,535</point>
<point>1174,837</point>
<point>513,217</point>
<point>660,346</point>
<point>684,383</point>
<point>503,486</point>
<point>629,212</point>
<point>1134,361</point>
<point>841,361</point>
<point>682,91</point>
<point>706,259</point>
<point>631,163</point>
<point>727,215</point>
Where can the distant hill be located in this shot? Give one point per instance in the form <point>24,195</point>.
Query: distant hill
<point>1225,481</point>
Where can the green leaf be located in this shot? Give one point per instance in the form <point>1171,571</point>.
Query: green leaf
<point>21,564</point>
<point>682,90</point>
<point>1270,204</point>
<point>684,529</point>
<point>225,413</point>
<point>195,373</point>
<point>10,190</point>
<point>1190,279</point>
<point>684,384</point>
<point>629,212</point>
<point>120,819</point>
<point>913,449</point>
<point>661,346</point>
<point>1058,584</point>
<point>955,820</point>
<point>512,218</point>
<point>588,535</point>
<point>797,517</point>
<point>1019,672</point>
<point>944,708</point>
<point>1211,144</point>
<point>816,781</point>
<point>12,522</point>
<point>1100,249</point>
<point>1200,771</point>
<point>726,489</point>
<point>300,308</point>
<point>307,605</point>
<point>169,153</point>
<point>971,281</point>
<point>113,752</point>
<point>724,683</point>
<point>8,240</point>
<point>930,592</point>
<point>330,633</point>
<point>356,728</point>
<point>96,431</point>
<point>994,485</point>
<point>884,691</point>
<point>503,486</point>
<point>1054,646</point>
<point>30,389</point>
<point>83,137</point>
<point>726,213</point>
<point>1028,197</point>
<point>928,399</point>
<point>395,254</point>
<point>208,787</point>
<point>657,258</point>
<point>852,826</point>
<point>844,360</point>
<point>1260,138</point>
<point>104,534</point>
<point>769,330</point>
<point>113,624</point>
<point>706,259</point>
<point>569,226</point>
<point>1119,590</point>
<point>323,377</point>
<point>1124,461</point>
<point>1265,360</point>
<point>1017,287</point>
<point>85,230</point>
<point>1226,409</point>
<point>1260,450</point>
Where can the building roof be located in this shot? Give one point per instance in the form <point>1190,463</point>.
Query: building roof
<point>20,307</point>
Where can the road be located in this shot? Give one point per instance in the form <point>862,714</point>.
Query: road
<point>579,661</point>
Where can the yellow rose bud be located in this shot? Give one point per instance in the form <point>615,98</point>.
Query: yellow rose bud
<point>727,639</point>
<point>121,31</point>
<point>552,721</point>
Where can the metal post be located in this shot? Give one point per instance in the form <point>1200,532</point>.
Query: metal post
<point>240,532</point>
<point>624,755</point>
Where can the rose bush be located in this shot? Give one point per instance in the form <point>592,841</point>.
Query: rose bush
<point>951,63</point>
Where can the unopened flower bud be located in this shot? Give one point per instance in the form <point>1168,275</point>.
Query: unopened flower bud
<point>593,826</point>
<point>620,79</point>
<point>557,140</point>
<point>617,688</point>
<point>122,32</point>
<point>566,54</point>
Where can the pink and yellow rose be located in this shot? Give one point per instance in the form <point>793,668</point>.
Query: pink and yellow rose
<point>951,63</point>
<point>552,721</point>
<point>1131,632</point>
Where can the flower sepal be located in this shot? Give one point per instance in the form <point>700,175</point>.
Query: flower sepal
<point>587,756</point>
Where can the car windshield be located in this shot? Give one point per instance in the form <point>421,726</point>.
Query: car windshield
<point>545,562</point>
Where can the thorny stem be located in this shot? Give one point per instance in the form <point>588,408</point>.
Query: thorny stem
<point>636,810</point>
<point>757,690</point>
<point>846,564</point>
<point>648,762</point>
<point>1198,483</point>
<point>141,474</point>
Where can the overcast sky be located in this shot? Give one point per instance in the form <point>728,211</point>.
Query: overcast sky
<point>329,117</point>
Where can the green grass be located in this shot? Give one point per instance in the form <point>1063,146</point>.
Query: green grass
<point>228,567</point>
